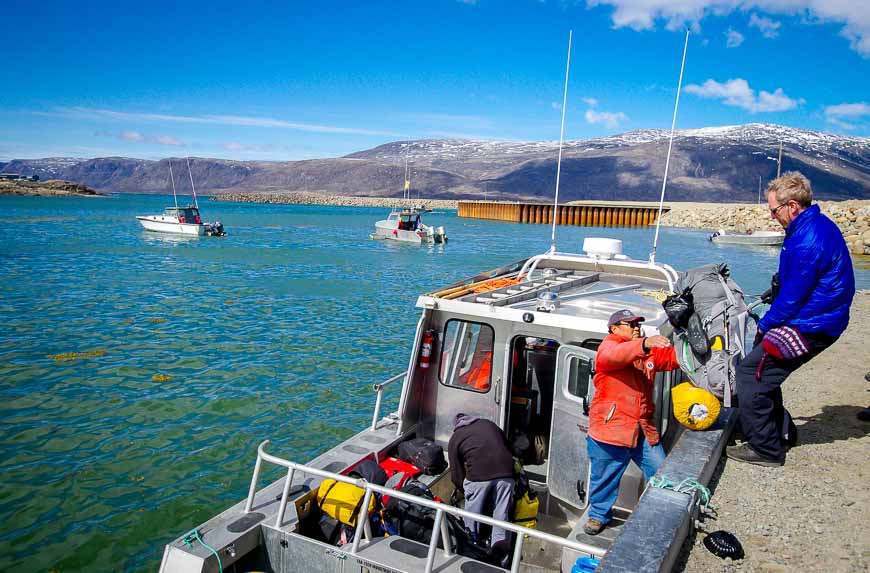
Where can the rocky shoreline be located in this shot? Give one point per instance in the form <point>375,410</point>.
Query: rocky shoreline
<point>50,188</point>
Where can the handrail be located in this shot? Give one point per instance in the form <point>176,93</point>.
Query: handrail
<point>532,264</point>
<point>379,388</point>
<point>439,528</point>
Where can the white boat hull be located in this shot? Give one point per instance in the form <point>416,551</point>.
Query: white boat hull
<point>387,230</point>
<point>164,224</point>
<point>759,238</point>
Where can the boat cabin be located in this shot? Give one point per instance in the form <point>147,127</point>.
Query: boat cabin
<point>187,214</point>
<point>409,221</point>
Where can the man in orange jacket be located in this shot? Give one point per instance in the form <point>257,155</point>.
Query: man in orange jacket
<point>621,426</point>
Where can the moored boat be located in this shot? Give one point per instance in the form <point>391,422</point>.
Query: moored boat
<point>181,220</point>
<point>749,238</point>
<point>407,226</point>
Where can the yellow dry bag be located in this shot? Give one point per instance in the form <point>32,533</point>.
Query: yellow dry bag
<point>694,407</point>
<point>342,501</point>
<point>526,511</point>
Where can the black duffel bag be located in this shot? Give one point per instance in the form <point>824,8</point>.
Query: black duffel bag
<point>425,454</point>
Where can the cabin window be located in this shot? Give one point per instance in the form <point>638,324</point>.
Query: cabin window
<point>466,359</point>
<point>579,376</point>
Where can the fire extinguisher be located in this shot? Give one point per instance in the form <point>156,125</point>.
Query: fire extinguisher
<point>426,349</point>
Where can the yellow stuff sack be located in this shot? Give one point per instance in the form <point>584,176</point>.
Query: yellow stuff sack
<point>526,511</point>
<point>694,407</point>
<point>341,501</point>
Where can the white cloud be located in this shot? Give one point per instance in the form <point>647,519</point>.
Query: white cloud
<point>847,110</point>
<point>733,38</point>
<point>237,146</point>
<point>238,120</point>
<point>610,120</point>
<point>834,114</point>
<point>736,92</point>
<point>556,105</point>
<point>590,101</point>
<point>131,136</point>
<point>769,28</point>
<point>852,15</point>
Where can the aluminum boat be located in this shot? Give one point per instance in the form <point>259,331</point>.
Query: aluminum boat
<point>751,238</point>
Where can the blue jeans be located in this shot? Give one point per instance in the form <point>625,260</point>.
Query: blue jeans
<point>607,464</point>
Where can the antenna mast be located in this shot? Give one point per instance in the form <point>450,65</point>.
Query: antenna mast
<point>652,255</point>
<point>171,178</point>
<point>189,172</point>
<point>561,136</point>
<point>779,161</point>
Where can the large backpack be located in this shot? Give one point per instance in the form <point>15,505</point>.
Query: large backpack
<point>711,320</point>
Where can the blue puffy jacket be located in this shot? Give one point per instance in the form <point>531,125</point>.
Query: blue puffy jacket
<point>816,279</point>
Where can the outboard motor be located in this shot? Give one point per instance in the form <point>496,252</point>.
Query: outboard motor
<point>216,229</point>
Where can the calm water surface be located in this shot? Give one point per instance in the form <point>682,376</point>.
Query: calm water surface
<point>197,349</point>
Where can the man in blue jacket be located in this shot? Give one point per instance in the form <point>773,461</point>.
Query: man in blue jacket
<point>817,285</point>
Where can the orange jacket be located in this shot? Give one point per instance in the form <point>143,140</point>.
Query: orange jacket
<point>623,400</point>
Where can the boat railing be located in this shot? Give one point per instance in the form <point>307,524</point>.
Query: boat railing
<point>379,388</point>
<point>439,529</point>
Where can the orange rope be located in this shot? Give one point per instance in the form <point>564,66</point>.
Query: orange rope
<point>495,284</point>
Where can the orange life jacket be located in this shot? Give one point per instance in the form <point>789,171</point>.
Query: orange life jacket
<point>623,400</point>
<point>478,376</point>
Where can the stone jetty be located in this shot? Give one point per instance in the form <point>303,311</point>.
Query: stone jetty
<point>338,200</point>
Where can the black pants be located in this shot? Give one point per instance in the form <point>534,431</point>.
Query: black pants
<point>760,400</point>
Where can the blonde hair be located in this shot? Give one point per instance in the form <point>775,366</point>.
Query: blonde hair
<point>792,186</point>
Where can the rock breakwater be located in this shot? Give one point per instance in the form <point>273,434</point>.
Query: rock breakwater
<point>853,218</point>
<point>338,200</point>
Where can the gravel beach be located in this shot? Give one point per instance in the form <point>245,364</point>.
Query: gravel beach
<point>812,513</point>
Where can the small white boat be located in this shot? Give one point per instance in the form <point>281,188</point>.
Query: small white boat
<point>181,220</point>
<point>756,238</point>
<point>407,226</point>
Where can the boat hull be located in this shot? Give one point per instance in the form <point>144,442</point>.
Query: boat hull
<point>761,239</point>
<point>387,230</point>
<point>162,224</point>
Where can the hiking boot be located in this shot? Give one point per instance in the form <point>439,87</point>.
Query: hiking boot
<point>744,453</point>
<point>593,527</point>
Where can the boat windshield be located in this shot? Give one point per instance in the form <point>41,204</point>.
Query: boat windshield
<point>184,214</point>
<point>409,222</point>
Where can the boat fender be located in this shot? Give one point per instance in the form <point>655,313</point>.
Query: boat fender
<point>181,219</point>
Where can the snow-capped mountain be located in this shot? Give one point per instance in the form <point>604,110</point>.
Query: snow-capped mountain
<point>724,164</point>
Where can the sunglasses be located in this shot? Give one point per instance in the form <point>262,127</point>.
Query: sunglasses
<point>632,324</point>
<point>773,211</point>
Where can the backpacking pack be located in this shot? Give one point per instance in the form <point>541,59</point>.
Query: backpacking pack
<point>425,454</point>
<point>711,341</point>
<point>369,470</point>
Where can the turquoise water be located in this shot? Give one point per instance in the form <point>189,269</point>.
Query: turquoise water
<point>276,331</point>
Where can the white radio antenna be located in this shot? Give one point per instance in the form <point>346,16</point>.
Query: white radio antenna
<point>192,186</point>
<point>652,255</point>
<point>561,136</point>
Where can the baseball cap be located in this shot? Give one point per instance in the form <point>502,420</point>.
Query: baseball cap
<point>623,315</point>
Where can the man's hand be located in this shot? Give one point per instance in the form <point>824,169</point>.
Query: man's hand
<point>759,335</point>
<point>657,341</point>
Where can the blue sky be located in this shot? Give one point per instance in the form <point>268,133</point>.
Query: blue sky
<point>297,80</point>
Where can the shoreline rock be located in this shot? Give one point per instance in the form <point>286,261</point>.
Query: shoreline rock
<point>49,188</point>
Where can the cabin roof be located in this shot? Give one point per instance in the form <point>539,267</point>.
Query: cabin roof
<point>587,290</point>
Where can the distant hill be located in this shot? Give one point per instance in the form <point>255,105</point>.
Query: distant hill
<point>721,164</point>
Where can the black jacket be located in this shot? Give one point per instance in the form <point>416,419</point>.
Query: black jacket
<point>478,451</point>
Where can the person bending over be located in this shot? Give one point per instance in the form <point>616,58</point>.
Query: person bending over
<point>482,466</point>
